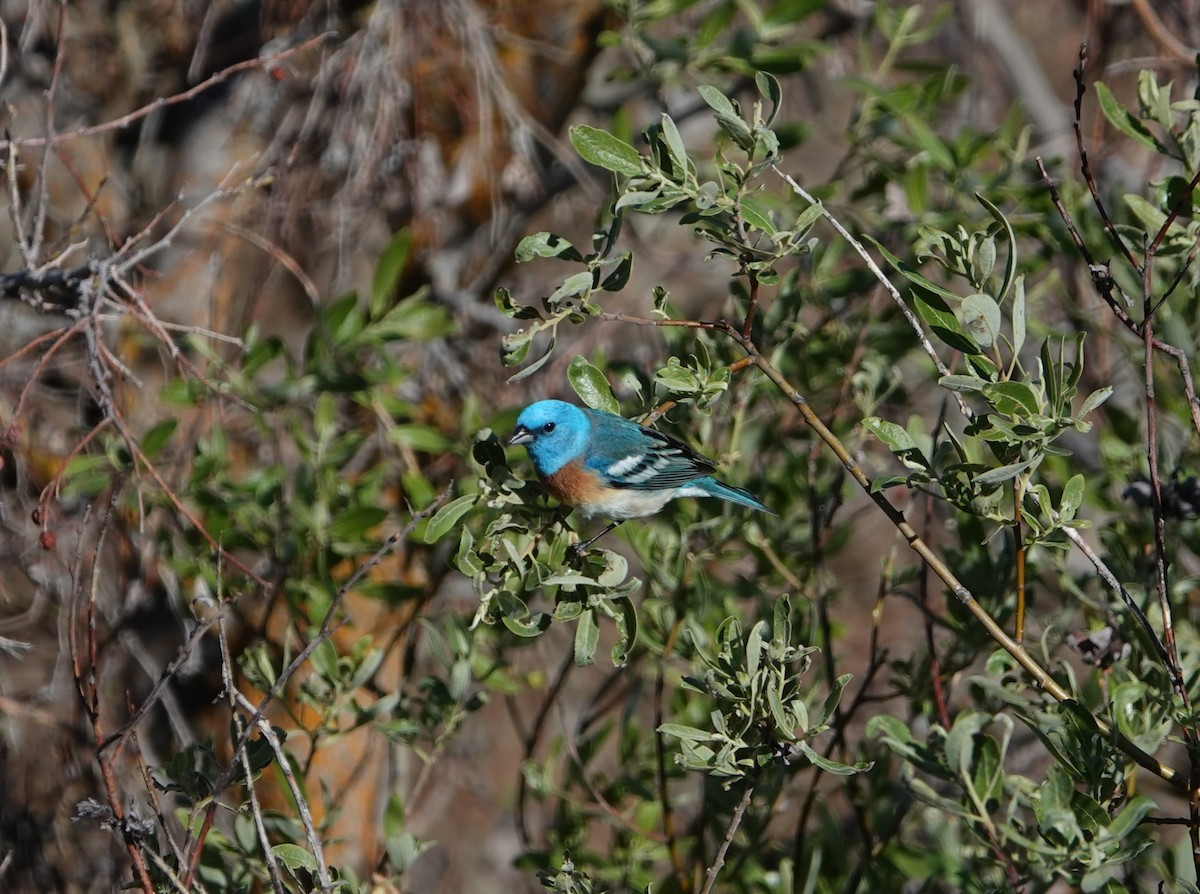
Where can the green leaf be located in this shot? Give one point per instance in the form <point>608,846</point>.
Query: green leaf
<point>604,150</point>
<point>960,741</point>
<point>388,270</point>
<point>184,393</point>
<point>1154,100</point>
<point>419,437</point>
<point>514,346</point>
<point>323,416</point>
<point>626,619</point>
<point>1120,118</point>
<point>832,766</point>
<point>636,199</point>
<point>507,306</point>
<point>415,318</point>
<point>677,378</point>
<point>959,382</point>
<point>1072,497</point>
<point>466,559</point>
<point>807,218</point>
<point>1150,216</point>
<point>354,523</point>
<point>155,439</point>
<point>768,88</point>
<point>1132,813</point>
<point>756,214</point>
<point>1095,399</point>
<point>834,697</point>
<point>754,647</point>
<point>707,195</point>
<point>617,280</point>
<point>1012,399</point>
<point>535,366</point>
<point>890,728</point>
<point>88,475</point>
<point>616,569</point>
<point>675,147</point>
<point>546,245</point>
<point>294,857</point>
<point>985,259</point>
<point>679,731</point>
<point>576,284</point>
<point>981,318</point>
<point>911,274</point>
<point>727,116</point>
<point>1010,264</point>
<point>446,517</point>
<point>1051,378</point>
<point>1018,315</point>
<point>1001,474</point>
<point>343,320</point>
<point>587,636</point>
<point>930,143</point>
<point>933,311</point>
<point>893,435</point>
<point>591,386</point>
<point>537,624</point>
<point>929,301</point>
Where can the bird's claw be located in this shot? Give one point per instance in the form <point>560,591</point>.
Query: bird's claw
<point>576,554</point>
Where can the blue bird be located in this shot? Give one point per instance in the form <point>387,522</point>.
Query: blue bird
<point>606,465</point>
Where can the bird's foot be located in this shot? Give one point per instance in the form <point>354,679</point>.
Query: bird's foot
<point>577,554</point>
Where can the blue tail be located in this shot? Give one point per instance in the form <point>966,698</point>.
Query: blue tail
<point>711,487</point>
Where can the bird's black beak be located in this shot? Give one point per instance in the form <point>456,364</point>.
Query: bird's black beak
<point>521,435</point>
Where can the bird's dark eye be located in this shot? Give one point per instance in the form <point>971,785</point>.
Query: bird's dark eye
<point>548,427</point>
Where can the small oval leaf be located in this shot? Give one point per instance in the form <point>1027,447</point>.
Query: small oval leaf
<point>446,517</point>
<point>591,386</point>
<point>604,150</point>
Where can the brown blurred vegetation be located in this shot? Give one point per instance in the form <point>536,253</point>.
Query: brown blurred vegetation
<point>445,118</point>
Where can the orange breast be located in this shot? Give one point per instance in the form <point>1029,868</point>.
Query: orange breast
<point>574,485</point>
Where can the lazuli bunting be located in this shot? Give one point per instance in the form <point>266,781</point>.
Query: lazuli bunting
<point>606,465</point>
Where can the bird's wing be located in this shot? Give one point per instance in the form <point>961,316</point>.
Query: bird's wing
<point>629,455</point>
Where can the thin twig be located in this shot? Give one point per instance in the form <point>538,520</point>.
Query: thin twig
<point>854,243</point>
<point>173,666</point>
<point>1104,284</point>
<point>86,673</point>
<point>1162,35</point>
<point>285,767</point>
<point>1109,578</point>
<point>162,102</point>
<point>42,204</point>
<point>682,877</point>
<point>734,821</point>
<point>14,207</point>
<point>1109,227</point>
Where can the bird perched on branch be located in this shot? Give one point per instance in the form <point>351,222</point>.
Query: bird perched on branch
<point>606,465</point>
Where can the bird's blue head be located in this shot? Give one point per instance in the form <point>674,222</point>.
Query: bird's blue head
<point>554,433</point>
